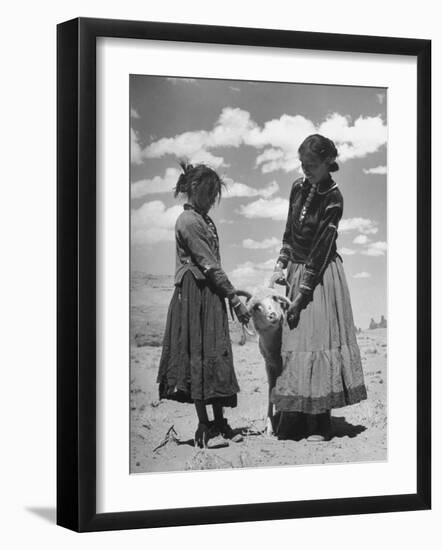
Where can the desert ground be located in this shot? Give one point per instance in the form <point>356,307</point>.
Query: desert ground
<point>162,431</point>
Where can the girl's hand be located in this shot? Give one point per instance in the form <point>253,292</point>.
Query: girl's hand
<point>294,311</point>
<point>241,311</point>
<point>278,276</point>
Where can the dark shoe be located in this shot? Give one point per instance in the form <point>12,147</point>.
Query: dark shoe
<point>202,435</point>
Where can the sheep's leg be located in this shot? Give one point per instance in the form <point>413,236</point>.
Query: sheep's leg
<point>271,379</point>
<point>242,340</point>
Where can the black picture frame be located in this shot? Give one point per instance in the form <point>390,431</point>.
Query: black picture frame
<point>76,273</point>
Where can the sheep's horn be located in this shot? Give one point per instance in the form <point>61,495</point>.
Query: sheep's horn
<point>244,293</point>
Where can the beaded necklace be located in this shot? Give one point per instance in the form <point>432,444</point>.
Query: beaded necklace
<point>308,200</point>
<point>313,189</point>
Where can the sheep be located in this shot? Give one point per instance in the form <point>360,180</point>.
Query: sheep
<point>267,310</point>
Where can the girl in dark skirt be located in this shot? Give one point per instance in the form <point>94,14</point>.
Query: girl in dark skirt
<point>322,366</point>
<point>196,364</point>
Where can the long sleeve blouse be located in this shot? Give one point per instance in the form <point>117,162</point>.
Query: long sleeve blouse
<point>312,242</point>
<point>197,250</point>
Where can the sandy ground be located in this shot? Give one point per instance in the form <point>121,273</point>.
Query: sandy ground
<point>162,431</point>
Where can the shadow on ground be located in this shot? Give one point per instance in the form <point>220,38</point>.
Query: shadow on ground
<point>342,428</point>
<point>298,426</point>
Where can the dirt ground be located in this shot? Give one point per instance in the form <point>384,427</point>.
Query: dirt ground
<point>162,431</point>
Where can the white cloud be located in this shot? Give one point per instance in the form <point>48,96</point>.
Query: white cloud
<point>153,223</point>
<point>235,89</point>
<point>158,184</point>
<point>278,139</point>
<point>361,239</point>
<point>134,113</point>
<point>228,131</point>
<point>363,225</point>
<point>276,209</point>
<point>252,274</point>
<point>366,135</point>
<point>273,242</point>
<point>165,184</point>
<point>208,159</point>
<point>231,127</point>
<point>237,189</point>
<point>379,170</point>
<point>362,275</point>
<point>346,251</point>
<point>375,249</point>
<point>185,144</point>
<point>281,137</point>
<point>136,156</point>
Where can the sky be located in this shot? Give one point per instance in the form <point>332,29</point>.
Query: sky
<point>250,132</point>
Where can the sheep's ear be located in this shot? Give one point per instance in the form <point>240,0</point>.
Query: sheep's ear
<point>283,301</point>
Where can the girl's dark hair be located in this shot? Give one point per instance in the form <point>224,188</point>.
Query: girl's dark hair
<point>199,181</point>
<point>322,147</point>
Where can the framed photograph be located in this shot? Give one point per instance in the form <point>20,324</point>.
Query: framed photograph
<point>244,305</point>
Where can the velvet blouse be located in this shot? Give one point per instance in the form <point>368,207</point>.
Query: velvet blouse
<point>312,242</point>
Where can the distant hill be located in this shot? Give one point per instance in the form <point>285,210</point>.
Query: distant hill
<point>382,323</point>
<point>140,279</point>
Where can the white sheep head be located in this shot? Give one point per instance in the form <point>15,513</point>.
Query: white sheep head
<point>266,307</point>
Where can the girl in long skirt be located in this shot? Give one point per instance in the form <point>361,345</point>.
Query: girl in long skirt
<point>196,364</point>
<point>322,366</point>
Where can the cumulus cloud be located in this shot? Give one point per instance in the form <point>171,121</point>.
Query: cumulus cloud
<point>273,242</point>
<point>363,225</point>
<point>190,145</point>
<point>282,138</point>
<point>362,275</point>
<point>278,139</point>
<point>249,275</point>
<point>365,136</point>
<point>134,113</point>
<point>275,209</point>
<point>361,239</point>
<point>375,249</point>
<point>346,251</point>
<point>228,131</point>
<point>207,158</point>
<point>153,223</point>
<point>158,184</point>
<point>237,189</point>
<point>136,155</point>
<point>379,170</point>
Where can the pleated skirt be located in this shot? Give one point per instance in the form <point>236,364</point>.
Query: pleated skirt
<point>322,366</point>
<point>197,361</point>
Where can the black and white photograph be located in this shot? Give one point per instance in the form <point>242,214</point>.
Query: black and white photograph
<point>258,274</point>
<point>221,252</point>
